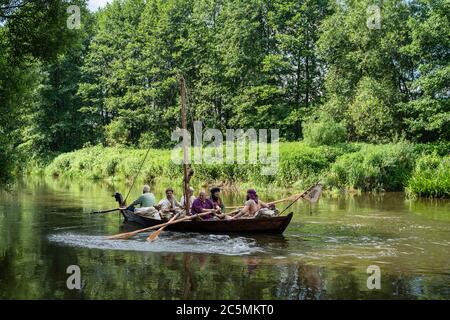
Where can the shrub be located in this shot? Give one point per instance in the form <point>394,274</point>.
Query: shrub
<point>374,167</point>
<point>324,131</point>
<point>431,177</point>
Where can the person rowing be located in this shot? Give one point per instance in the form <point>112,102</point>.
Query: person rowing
<point>204,205</point>
<point>169,206</point>
<point>146,202</point>
<point>216,199</point>
<point>255,208</point>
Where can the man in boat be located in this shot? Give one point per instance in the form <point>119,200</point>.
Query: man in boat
<point>191,198</point>
<point>202,204</point>
<point>255,208</point>
<point>146,202</point>
<point>216,199</point>
<point>169,206</point>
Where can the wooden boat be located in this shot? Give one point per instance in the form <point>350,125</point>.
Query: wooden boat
<point>275,225</point>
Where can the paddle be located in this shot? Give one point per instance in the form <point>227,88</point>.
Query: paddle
<point>154,235</point>
<point>273,202</point>
<point>106,211</point>
<point>127,235</point>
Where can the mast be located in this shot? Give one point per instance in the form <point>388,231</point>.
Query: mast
<point>185,145</point>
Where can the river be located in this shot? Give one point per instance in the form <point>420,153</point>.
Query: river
<point>325,253</point>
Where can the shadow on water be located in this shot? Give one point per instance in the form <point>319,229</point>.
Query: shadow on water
<point>45,226</point>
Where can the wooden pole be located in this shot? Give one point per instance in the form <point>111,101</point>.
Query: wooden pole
<point>185,145</point>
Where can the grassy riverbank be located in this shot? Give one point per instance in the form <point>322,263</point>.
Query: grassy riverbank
<point>423,170</point>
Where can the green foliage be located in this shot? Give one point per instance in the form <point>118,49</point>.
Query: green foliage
<point>324,131</point>
<point>374,167</point>
<point>366,70</point>
<point>298,164</point>
<point>431,177</point>
<point>38,28</point>
<point>247,63</point>
<point>427,114</point>
<point>441,148</point>
<point>370,113</point>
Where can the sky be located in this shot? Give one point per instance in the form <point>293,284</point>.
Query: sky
<point>95,4</point>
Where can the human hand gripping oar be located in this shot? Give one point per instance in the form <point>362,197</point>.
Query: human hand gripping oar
<point>272,202</point>
<point>154,235</point>
<point>269,203</point>
<point>127,235</point>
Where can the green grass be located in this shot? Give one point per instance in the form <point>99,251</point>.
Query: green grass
<point>374,167</point>
<point>431,177</point>
<point>365,167</point>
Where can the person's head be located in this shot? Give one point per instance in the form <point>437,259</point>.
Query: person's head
<point>202,195</point>
<point>215,193</point>
<point>169,193</point>
<point>146,189</point>
<point>251,195</point>
<point>190,191</point>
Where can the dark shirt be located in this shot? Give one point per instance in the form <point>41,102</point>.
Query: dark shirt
<point>198,205</point>
<point>218,203</point>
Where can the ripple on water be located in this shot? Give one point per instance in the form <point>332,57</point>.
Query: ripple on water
<point>168,242</point>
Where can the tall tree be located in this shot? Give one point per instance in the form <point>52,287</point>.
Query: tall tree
<point>359,51</point>
<point>427,114</point>
<point>31,33</point>
<point>55,124</point>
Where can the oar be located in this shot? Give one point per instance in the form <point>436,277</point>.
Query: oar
<point>127,235</point>
<point>154,235</point>
<point>273,202</point>
<point>106,211</point>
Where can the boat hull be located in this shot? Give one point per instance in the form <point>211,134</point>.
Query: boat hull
<point>275,225</point>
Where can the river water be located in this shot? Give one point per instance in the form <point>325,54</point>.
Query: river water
<point>325,253</point>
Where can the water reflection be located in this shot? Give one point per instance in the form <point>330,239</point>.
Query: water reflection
<point>45,226</point>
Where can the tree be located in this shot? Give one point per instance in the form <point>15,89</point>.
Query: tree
<point>55,123</point>
<point>296,65</point>
<point>32,33</point>
<point>427,114</point>
<point>357,55</point>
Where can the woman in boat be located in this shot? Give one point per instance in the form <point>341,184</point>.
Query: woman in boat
<point>251,206</point>
<point>216,200</point>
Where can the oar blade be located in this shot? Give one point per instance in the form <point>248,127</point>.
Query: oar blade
<point>313,195</point>
<point>154,235</point>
